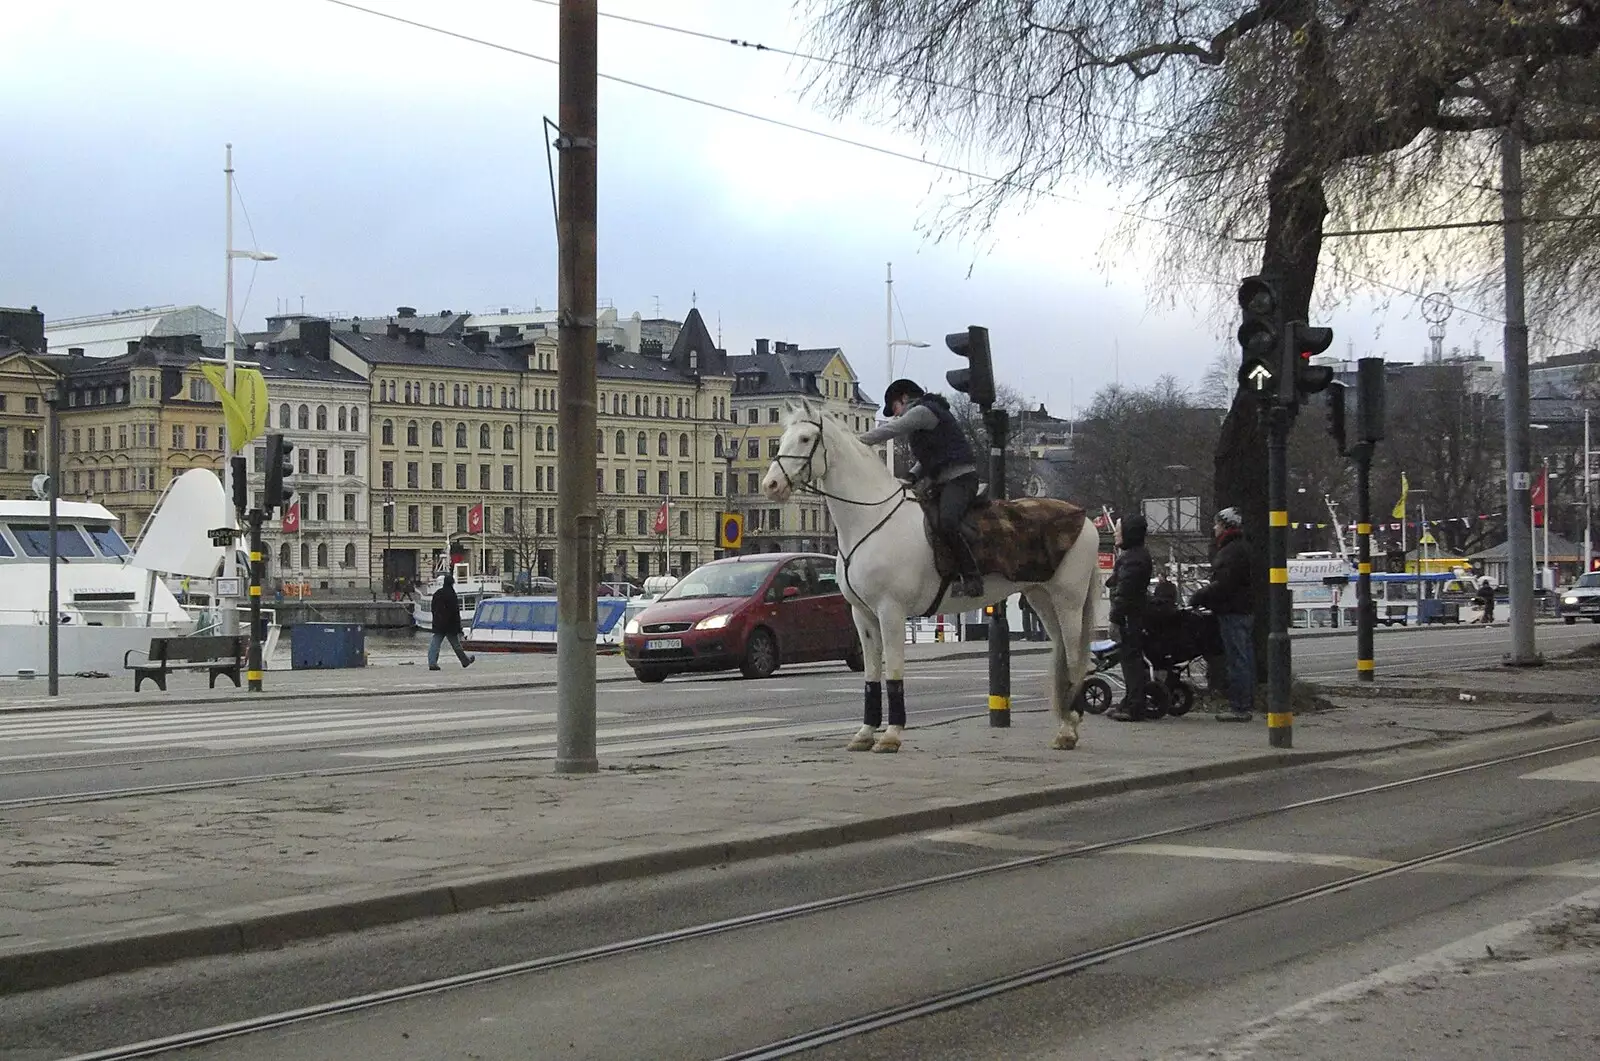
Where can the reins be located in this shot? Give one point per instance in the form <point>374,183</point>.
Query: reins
<point>901,492</point>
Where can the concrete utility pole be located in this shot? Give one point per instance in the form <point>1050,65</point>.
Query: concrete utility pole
<point>576,617</point>
<point>1519,529</point>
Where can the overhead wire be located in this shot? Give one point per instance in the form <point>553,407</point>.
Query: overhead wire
<point>863,145</point>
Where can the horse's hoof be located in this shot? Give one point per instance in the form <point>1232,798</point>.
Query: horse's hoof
<point>886,746</point>
<point>1064,743</point>
<point>860,744</point>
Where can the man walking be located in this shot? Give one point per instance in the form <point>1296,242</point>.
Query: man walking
<point>447,625</point>
<point>1230,596</point>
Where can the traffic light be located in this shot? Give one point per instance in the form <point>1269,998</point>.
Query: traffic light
<point>280,465</point>
<point>1369,399</point>
<point>1300,343</point>
<point>1336,416</point>
<point>1259,336</point>
<point>241,484</point>
<point>976,381</point>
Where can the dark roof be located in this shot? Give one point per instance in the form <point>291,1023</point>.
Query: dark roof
<point>1561,550</point>
<point>444,323</point>
<point>376,348</point>
<point>786,370</point>
<point>164,351</point>
<point>695,337</point>
<point>283,361</point>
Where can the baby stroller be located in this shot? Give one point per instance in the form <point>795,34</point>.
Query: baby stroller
<point>1174,639</point>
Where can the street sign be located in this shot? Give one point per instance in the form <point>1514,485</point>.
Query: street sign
<point>222,537</point>
<point>1521,480</point>
<point>227,587</point>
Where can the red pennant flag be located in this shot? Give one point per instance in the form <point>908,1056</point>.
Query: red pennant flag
<point>661,518</point>
<point>475,519</point>
<point>291,518</point>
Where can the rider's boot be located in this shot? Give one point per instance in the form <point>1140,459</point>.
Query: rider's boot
<point>970,579</point>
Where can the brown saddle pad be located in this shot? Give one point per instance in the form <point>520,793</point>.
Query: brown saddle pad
<point>1021,541</point>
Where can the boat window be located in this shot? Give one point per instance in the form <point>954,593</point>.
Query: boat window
<point>519,615</point>
<point>35,540</point>
<point>107,538</point>
<point>492,614</point>
<point>5,547</point>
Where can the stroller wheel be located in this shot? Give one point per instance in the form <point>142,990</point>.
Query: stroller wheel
<point>1097,695</point>
<point>1159,700</point>
<point>1182,697</point>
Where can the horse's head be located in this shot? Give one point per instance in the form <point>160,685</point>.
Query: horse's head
<point>801,458</point>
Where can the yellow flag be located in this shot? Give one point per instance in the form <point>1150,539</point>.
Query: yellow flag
<point>246,408</point>
<point>1400,506</point>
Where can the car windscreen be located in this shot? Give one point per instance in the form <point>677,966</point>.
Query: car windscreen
<point>1590,581</point>
<point>722,580</point>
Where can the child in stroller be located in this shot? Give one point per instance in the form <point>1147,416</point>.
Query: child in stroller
<point>1174,638</point>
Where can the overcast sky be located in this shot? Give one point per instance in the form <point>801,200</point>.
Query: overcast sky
<point>387,165</point>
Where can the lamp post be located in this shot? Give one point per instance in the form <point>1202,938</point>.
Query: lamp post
<point>890,342</point>
<point>388,546</point>
<point>1588,509</point>
<point>1542,571</point>
<point>230,569</point>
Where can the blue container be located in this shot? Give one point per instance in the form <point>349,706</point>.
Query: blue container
<point>327,646</point>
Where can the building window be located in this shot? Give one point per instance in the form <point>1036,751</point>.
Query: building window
<point>322,555</point>
<point>550,439</point>
<point>483,436</point>
<point>322,461</point>
<point>753,416</point>
<point>412,473</point>
<point>177,436</point>
<point>387,433</point>
<point>303,459</point>
<point>622,443</point>
<point>344,419</point>
<point>508,480</point>
<point>349,462</point>
<point>350,554</point>
<point>683,445</point>
<point>641,482</point>
<point>508,522</point>
<point>322,423</point>
<point>388,475</point>
<point>683,524</point>
<point>599,480</point>
<point>438,434</point>
<point>661,483</point>
<point>772,447</point>
<point>538,439</point>
<point>355,420</point>
<point>305,555</point>
<point>349,508</point>
<point>122,436</point>
<point>772,415</point>
<point>438,515</point>
<point>508,439</point>
<point>716,484</point>
<point>643,446</point>
<point>322,508</point>
<point>201,438</point>
<point>683,484</point>
<point>753,483</point>
<point>639,520</point>
<point>283,417</point>
<point>538,479</point>
<point>461,436</point>
<point>461,477</point>
<point>622,522</point>
<point>413,518</point>
<point>285,558</point>
<point>622,481</point>
<point>411,433</point>
<point>483,477</point>
<point>599,443</point>
<point>661,445</point>
<point>716,445</point>
<point>303,417</point>
<point>77,439</point>
<point>388,517</point>
<point>437,478</point>
<point>461,519</point>
<point>753,448</point>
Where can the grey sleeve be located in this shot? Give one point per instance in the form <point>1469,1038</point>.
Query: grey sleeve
<point>920,418</point>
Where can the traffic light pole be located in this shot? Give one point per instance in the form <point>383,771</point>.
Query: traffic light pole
<point>1365,616</point>
<point>1280,717</point>
<point>999,424</point>
<point>257,571</point>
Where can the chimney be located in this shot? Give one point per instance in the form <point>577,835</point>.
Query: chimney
<point>509,333</point>
<point>355,327</point>
<point>25,327</point>
<point>417,339</point>
<point>406,311</point>
<point>392,331</point>
<point>761,346</point>
<point>133,345</point>
<point>315,339</point>
<point>477,342</point>
<point>74,351</point>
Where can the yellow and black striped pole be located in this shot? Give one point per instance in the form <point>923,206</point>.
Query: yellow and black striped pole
<point>1365,613</point>
<point>998,422</point>
<point>257,570</point>
<point>1280,716</point>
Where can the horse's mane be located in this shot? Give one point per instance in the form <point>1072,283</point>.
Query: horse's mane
<point>835,430</point>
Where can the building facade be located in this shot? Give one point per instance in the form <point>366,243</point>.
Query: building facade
<point>763,382</point>
<point>25,379</point>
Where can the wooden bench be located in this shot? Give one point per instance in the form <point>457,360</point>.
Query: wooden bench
<point>218,655</point>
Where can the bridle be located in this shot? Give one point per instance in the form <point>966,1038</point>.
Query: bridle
<point>901,492</point>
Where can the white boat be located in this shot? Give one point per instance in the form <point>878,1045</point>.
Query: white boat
<point>110,597</point>
<point>528,624</point>
<point>470,590</point>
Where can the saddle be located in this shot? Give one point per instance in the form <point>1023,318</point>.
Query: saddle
<point>1020,541</point>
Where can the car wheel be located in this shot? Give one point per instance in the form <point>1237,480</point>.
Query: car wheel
<point>650,675</point>
<point>760,655</point>
<point>856,660</point>
<point>1097,695</point>
<point>1569,619</point>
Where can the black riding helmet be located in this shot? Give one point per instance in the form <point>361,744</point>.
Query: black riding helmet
<point>900,388</point>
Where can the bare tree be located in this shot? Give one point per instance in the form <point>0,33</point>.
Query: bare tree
<point>970,417</point>
<point>527,537</point>
<point>1133,443</point>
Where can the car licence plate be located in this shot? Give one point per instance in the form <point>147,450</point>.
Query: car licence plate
<point>663,642</point>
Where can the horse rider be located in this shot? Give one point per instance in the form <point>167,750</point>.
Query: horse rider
<point>943,457</point>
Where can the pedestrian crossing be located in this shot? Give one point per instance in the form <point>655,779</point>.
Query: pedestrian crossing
<point>363,733</point>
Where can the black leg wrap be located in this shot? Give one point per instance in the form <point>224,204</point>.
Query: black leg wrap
<point>872,714</point>
<point>897,703</point>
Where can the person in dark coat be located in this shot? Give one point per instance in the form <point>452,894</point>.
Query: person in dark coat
<point>446,608</point>
<point>944,457</point>
<point>1231,598</point>
<point>1483,596</point>
<point>1130,600</point>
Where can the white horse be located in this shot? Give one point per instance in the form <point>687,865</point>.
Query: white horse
<point>887,571</point>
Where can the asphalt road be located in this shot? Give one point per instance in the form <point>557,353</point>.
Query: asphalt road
<point>44,754</point>
<point>1314,975</point>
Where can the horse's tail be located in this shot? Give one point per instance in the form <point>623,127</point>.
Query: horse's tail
<point>1082,568</point>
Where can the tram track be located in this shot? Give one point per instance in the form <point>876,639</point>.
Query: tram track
<point>929,1005</point>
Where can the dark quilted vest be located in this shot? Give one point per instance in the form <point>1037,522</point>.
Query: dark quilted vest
<point>945,446</point>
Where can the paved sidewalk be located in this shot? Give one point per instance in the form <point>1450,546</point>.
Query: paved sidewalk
<point>136,881</point>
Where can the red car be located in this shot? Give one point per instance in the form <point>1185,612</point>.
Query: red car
<point>752,612</point>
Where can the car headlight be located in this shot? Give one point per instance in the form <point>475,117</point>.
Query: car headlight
<point>715,622</point>
<point>1569,600</point>
<point>632,627</point>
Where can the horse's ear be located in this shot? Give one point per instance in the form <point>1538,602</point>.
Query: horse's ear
<point>789,407</point>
